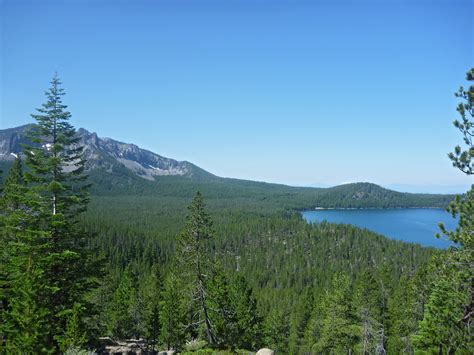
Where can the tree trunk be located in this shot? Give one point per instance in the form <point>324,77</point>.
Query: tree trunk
<point>202,299</point>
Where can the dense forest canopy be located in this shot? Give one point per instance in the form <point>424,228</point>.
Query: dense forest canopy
<point>239,269</point>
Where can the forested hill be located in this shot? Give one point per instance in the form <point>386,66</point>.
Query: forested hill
<point>118,169</point>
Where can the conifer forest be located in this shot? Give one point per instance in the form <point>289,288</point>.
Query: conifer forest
<point>107,248</point>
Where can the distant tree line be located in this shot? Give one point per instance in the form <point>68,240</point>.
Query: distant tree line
<point>252,275</point>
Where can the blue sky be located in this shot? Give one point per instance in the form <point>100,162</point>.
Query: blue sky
<point>296,92</point>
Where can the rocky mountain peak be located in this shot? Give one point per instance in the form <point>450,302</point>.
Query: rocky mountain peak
<point>106,153</point>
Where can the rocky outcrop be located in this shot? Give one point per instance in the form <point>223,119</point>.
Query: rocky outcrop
<point>107,154</point>
<point>110,346</point>
<point>265,351</point>
<point>146,164</point>
<point>11,140</point>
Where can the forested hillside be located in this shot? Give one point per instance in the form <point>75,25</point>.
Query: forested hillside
<point>119,169</point>
<point>191,261</point>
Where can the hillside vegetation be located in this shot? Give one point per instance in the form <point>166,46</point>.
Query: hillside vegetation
<point>191,260</point>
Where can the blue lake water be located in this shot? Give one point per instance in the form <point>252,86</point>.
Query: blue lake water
<point>417,225</point>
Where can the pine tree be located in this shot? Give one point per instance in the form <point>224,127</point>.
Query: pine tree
<point>340,332</point>
<point>401,319</point>
<point>24,322</point>
<point>58,194</point>
<point>449,312</point>
<point>74,337</point>
<point>10,217</point>
<point>315,324</point>
<point>442,329</point>
<point>463,207</point>
<point>195,264</point>
<point>249,319</point>
<point>463,158</point>
<point>154,326</point>
<point>151,290</point>
<point>14,188</point>
<point>277,331</point>
<point>23,318</point>
<point>173,315</point>
<point>56,163</point>
<point>222,311</point>
<point>299,321</point>
<point>406,309</point>
<point>369,303</point>
<point>121,322</point>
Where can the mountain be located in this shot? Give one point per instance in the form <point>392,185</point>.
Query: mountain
<point>122,169</point>
<point>107,154</point>
<point>11,140</point>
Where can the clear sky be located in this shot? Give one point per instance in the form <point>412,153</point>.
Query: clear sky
<point>297,92</point>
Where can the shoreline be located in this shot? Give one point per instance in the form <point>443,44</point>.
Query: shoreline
<point>371,208</point>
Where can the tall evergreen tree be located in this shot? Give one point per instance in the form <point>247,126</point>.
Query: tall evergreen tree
<point>75,336</point>
<point>442,330</point>
<point>56,179</point>
<point>449,313</point>
<point>369,304</point>
<point>11,202</point>
<point>315,324</point>
<point>196,265</point>
<point>340,331</point>
<point>120,318</point>
<point>299,321</point>
<point>463,158</point>
<point>222,311</point>
<point>277,330</point>
<point>55,161</point>
<point>406,308</point>
<point>150,290</point>
<point>249,319</point>
<point>173,314</point>
<point>14,188</point>
<point>23,323</point>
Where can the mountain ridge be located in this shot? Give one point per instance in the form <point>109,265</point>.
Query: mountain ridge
<point>104,152</point>
<point>118,168</point>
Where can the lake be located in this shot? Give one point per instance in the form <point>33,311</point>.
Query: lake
<point>417,225</point>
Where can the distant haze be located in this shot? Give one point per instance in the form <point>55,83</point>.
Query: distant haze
<point>430,189</point>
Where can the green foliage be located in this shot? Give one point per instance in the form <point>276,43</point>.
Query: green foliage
<point>277,331</point>
<point>249,321</point>
<point>43,243</point>
<point>173,315</point>
<point>150,294</point>
<point>447,319</point>
<point>300,317</point>
<point>14,187</point>
<point>24,324</point>
<point>463,158</point>
<point>120,314</point>
<point>12,216</point>
<point>281,283</point>
<point>222,311</point>
<point>74,336</point>
<point>24,321</point>
<point>55,162</point>
<point>253,196</point>
<point>340,331</point>
<point>442,328</point>
<point>406,309</point>
<point>370,304</point>
<point>195,266</point>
